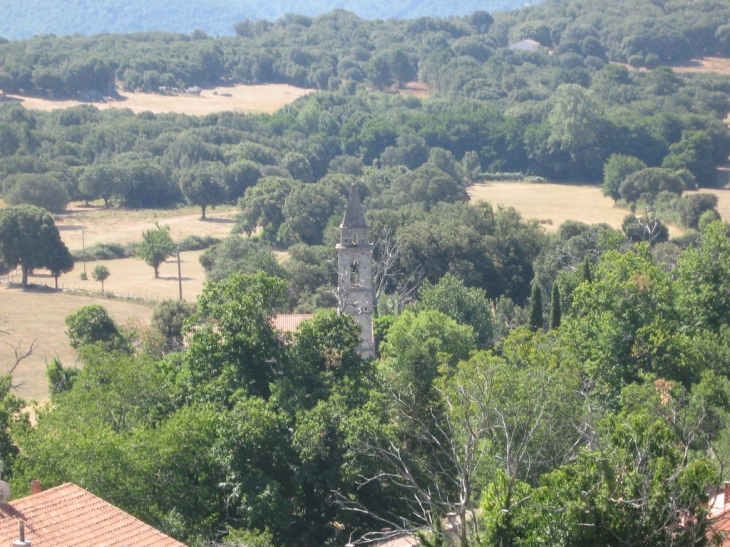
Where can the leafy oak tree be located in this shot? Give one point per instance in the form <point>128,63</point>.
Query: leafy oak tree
<point>204,185</point>
<point>156,246</point>
<point>29,239</point>
<point>100,274</point>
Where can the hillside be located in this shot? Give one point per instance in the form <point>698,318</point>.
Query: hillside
<point>23,19</point>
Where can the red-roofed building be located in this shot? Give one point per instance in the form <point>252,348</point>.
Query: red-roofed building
<point>68,515</point>
<point>289,322</point>
<point>720,514</point>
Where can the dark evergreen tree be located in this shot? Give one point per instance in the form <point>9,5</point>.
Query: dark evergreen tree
<point>555,312</point>
<point>536,319</point>
<point>587,271</point>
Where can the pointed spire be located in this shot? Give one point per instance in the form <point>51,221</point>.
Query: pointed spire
<point>354,217</point>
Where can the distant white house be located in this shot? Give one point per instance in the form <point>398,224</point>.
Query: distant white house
<point>527,45</point>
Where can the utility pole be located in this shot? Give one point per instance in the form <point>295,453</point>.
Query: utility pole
<point>179,274</point>
<point>83,246</point>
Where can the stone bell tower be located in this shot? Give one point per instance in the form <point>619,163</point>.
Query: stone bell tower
<point>355,272</point>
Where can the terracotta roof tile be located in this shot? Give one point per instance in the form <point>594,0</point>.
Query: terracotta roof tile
<point>289,322</point>
<point>68,515</point>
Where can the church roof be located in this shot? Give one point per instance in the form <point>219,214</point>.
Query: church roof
<point>354,217</point>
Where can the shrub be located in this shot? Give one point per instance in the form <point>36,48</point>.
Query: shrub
<point>693,206</point>
<point>648,183</point>
<point>40,190</point>
<point>197,243</point>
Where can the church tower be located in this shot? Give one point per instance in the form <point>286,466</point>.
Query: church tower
<point>355,272</point>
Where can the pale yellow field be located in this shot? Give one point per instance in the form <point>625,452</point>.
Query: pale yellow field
<point>244,98</point>
<point>39,316</point>
<point>551,204</point>
<point>720,65</point>
<point>132,277</point>
<point>723,205</point>
<point>125,226</point>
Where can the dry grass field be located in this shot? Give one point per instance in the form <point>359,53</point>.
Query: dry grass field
<point>551,204</point>
<point>125,226</point>
<point>132,277</point>
<point>720,65</point>
<point>243,98</point>
<point>39,316</point>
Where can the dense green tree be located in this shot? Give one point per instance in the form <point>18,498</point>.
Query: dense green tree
<point>624,324</point>
<point>298,167</point>
<point>468,306</point>
<point>60,261</point>
<point>647,183</point>
<point>555,312</point>
<point>574,126</point>
<point>692,207</point>
<point>379,72</point>
<point>168,317</point>
<point>586,271</point>
<point>401,67</point>
<point>703,280</point>
<point>308,209</point>
<point>100,274</point>
<point>92,324</point>
<point>262,205</point>
<point>240,176</point>
<point>234,316</point>
<point>156,246</point>
<point>537,321</point>
<point>238,254</point>
<point>44,191</point>
<point>418,345</point>
<point>694,153</point>
<point>615,171</point>
<point>642,454</point>
<point>312,275</point>
<point>101,181</point>
<point>29,239</point>
<point>60,378</point>
<point>204,185</point>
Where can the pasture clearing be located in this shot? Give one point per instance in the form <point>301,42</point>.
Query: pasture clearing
<point>243,98</point>
<point>551,204</point>
<point>39,315</point>
<point>723,205</point>
<point>124,226</point>
<point>133,278</point>
<point>719,65</point>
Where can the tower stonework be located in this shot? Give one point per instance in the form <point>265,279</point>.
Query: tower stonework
<point>355,272</point>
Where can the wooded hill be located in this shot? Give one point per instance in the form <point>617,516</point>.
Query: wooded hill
<point>451,55</point>
<point>598,416</point>
<point>26,18</point>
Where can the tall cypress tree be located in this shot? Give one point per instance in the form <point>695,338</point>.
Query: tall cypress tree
<point>587,271</point>
<point>555,307</point>
<point>536,321</point>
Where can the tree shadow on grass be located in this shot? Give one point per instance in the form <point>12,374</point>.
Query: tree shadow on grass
<point>219,220</point>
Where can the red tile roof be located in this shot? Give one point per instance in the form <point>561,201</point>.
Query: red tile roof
<point>290,322</point>
<point>68,515</point>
